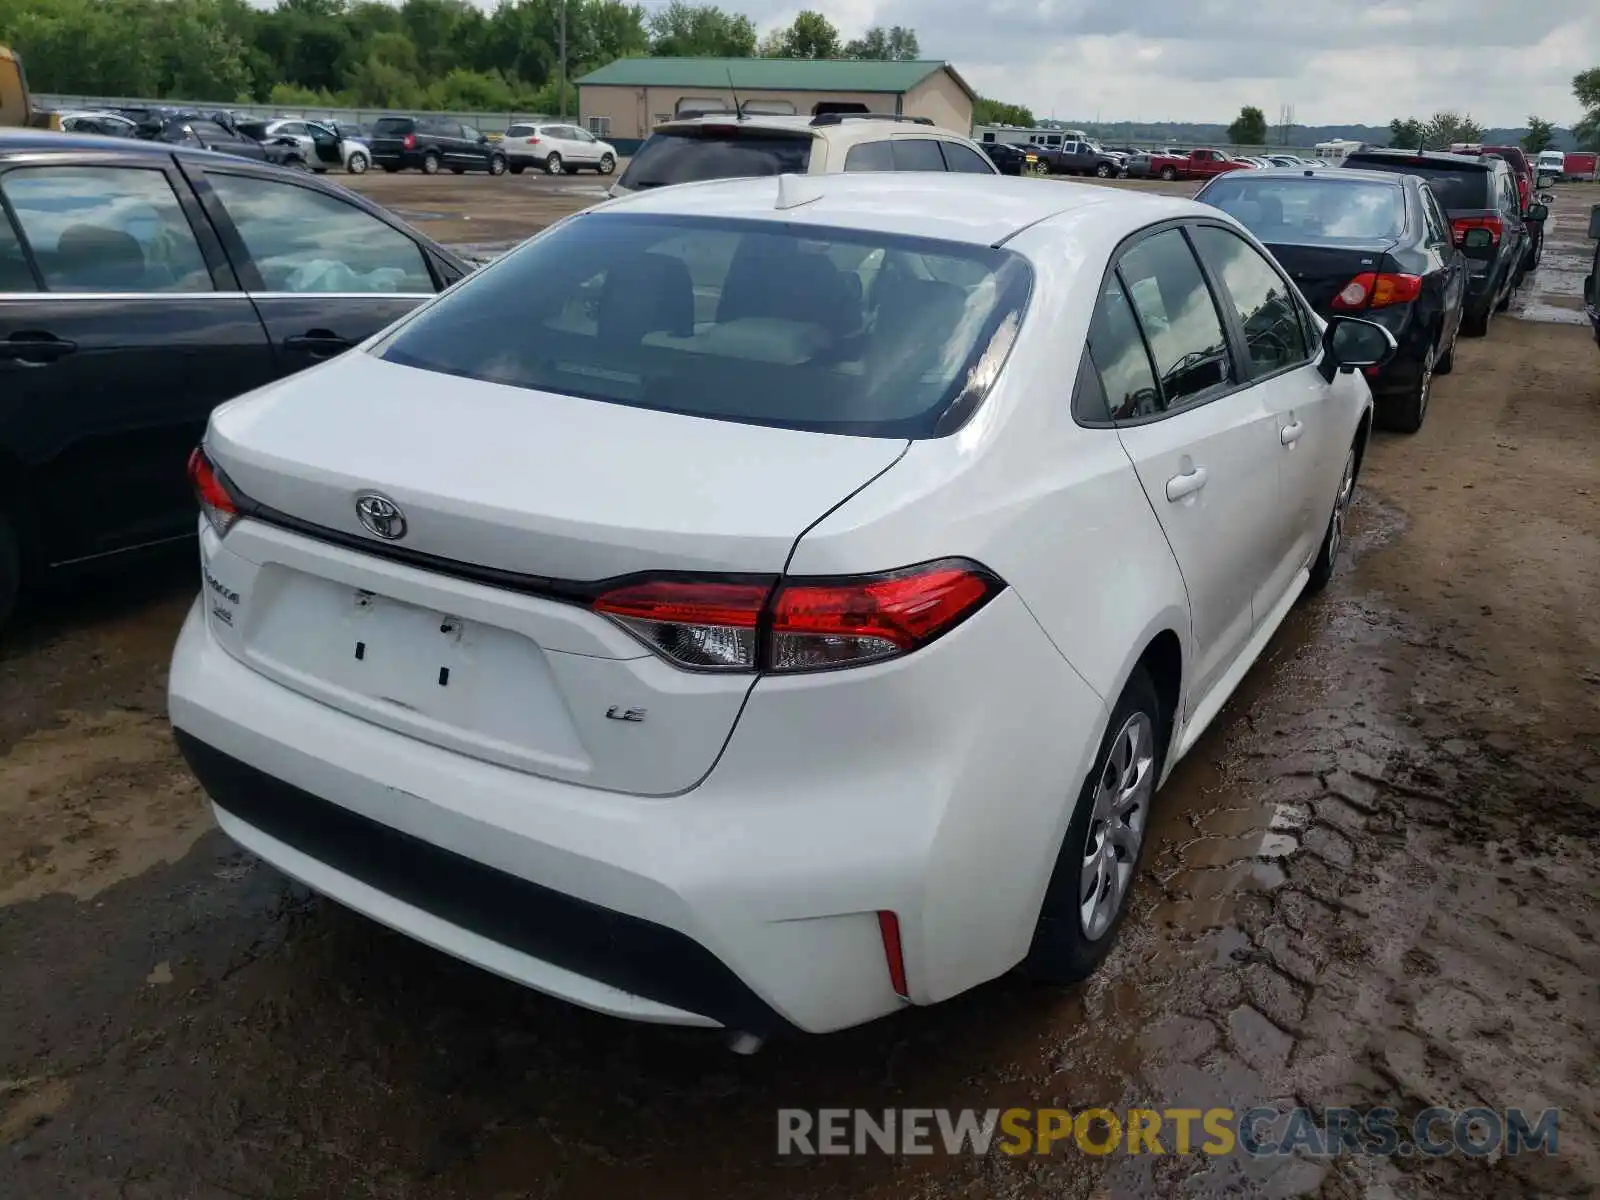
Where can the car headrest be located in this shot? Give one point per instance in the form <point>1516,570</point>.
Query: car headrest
<point>94,256</point>
<point>649,293</point>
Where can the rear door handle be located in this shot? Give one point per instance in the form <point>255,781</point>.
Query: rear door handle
<point>1290,434</point>
<point>35,348</point>
<point>1180,486</point>
<point>319,343</point>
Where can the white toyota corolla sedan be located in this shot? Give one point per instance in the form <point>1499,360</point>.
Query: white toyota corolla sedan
<point>768,603</point>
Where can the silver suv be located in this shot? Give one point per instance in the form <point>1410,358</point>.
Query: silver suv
<point>733,145</point>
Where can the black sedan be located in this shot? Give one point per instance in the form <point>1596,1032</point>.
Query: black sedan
<point>1009,159</point>
<point>142,284</point>
<point>1370,243</point>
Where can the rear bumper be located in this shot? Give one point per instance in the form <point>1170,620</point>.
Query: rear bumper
<point>940,792</point>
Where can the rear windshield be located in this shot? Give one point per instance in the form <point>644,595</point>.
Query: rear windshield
<point>1313,210</point>
<point>831,330</point>
<point>391,125</point>
<point>686,157</point>
<point>520,131</point>
<point>1457,187</point>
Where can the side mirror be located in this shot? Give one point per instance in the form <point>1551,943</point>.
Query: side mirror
<point>1537,212</point>
<point>1478,239</point>
<point>1350,343</point>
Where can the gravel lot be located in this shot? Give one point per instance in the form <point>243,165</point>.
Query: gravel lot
<point>1376,881</point>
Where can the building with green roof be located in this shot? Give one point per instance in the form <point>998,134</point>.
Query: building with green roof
<point>624,100</point>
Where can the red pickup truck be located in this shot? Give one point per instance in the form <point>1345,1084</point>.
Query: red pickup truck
<point>1197,164</point>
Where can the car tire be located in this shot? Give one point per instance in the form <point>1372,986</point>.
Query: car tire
<point>1102,171</point>
<point>1322,567</point>
<point>552,164</point>
<point>1447,361</point>
<point>10,569</point>
<point>1168,174</point>
<point>1075,933</point>
<point>1405,413</point>
<point>1476,324</point>
<point>358,164</point>
<point>430,163</point>
<point>497,164</point>
<point>608,164</point>
<point>1502,304</point>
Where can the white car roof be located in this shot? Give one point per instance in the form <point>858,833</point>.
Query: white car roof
<point>978,209</point>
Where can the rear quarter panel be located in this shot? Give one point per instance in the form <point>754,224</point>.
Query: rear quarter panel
<point>1054,508</point>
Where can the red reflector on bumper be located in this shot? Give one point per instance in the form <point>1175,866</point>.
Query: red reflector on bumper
<point>889,928</point>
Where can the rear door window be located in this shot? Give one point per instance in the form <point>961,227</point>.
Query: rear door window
<point>1120,356</point>
<point>302,240</point>
<point>106,229</point>
<point>668,158</point>
<point>393,127</point>
<point>917,154</point>
<point>15,274</point>
<point>1261,299</point>
<point>870,156</point>
<point>1179,319</point>
<point>965,160</point>
<point>844,331</point>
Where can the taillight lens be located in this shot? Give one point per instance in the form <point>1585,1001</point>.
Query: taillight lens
<point>209,489</point>
<point>1494,225</point>
<point>799,624</point>
<point>820,625</point>
<point>707,626</point>
<point>1371,289</point>
<point>411,141</point>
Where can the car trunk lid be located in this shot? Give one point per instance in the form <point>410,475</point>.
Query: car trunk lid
<point>471,627</point>
<point>1322,271</point>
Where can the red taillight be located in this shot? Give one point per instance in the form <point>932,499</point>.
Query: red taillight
<point>806,625</point>
<point>1461,225</point>
<point>709,626</point>
<point>817,625</point>
<point>215,500</point>
<point>411,141</point>
<point>1373,290</point>
<point>533,141</point>
<point>893,953</point>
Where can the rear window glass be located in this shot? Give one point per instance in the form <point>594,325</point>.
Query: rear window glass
<point>821,329</point>
<point>1310,210</point>
<point>521,131</point>
<point>667,158</point>
<point>1456,186</point>
<point>391,125</point>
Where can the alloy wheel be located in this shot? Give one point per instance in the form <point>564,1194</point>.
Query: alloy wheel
<point>1117,825</point>
<point>1341,504</point>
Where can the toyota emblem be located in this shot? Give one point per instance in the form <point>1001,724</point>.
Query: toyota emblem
<point>381,516</point>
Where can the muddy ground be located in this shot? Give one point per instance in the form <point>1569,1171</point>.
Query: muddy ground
<point>1373,883</point>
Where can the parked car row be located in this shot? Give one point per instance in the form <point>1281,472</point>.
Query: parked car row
<point>469,658</point>
<point>1429,245</point>
<point>291,141</point>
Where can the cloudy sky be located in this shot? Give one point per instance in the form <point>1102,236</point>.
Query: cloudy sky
<point>1335,61</point>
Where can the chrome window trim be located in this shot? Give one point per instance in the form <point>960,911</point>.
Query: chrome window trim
<point>6,297</point>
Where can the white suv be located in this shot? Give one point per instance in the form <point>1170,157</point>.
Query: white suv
<point>729,146</point>
<point>556,149</point>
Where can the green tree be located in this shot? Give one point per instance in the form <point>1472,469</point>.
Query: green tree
<point>895,44</point>
<point>1541,135</point>
<point>1249,128</point>
<point>1586,87</point>
<point>811,36</point>
<point>997,112</point>
<point>1408,133</point>
<point>1447,127</point>
<point>683,30</point>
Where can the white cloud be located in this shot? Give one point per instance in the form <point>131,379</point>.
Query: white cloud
<point>1200,60</point>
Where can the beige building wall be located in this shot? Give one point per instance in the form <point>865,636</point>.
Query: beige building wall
<point>633,111</point>
<point>940,98</point>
